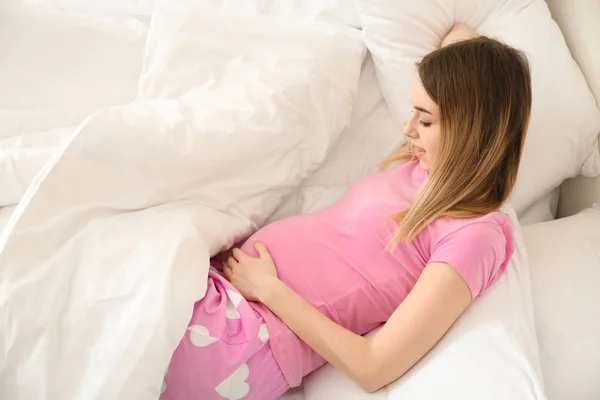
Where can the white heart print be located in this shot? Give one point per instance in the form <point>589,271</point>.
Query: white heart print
<point>199,336</point>
<point>235,387</point>
<point>234,299</point>
<point>263,333</point>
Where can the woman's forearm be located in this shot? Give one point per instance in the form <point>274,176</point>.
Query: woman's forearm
<point>344,349</point>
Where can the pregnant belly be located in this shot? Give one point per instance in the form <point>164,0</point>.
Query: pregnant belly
<point>309,254</point>
<point>346,273</point>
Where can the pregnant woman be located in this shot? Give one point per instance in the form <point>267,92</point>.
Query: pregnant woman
<point>409,247</point>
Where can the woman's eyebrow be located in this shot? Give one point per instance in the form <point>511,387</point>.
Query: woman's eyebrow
<point>423,110</point>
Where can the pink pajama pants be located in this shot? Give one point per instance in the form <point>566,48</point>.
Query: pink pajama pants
<point>225,353</point>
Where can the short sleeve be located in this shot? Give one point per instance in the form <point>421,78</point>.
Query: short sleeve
<point>479,252</point>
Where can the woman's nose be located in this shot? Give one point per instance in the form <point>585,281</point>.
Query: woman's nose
<point>410,131</point>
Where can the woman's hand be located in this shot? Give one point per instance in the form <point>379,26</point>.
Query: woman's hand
<point>459,32</point>
<point>251,276</point>
<point>222,256</point>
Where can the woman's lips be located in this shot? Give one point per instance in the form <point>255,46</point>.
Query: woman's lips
<point>419,151</point>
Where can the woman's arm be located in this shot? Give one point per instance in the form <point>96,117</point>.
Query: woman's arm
<point>434,304</point>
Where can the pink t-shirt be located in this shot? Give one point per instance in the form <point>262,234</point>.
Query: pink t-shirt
<point>337,259</point>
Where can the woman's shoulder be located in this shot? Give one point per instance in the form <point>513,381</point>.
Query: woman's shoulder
<point>494,225</point>
<point>499,218</point>
<point>478,248</point>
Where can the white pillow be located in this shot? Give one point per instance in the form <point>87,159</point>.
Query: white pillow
<point>564,256</point>
<point>562,140</point>
<point>491,352</point>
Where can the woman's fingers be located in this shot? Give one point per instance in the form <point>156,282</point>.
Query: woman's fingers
<point>232,262</point>
<point>227,271</point>
<point>262,251</point>
<point>238,254</point>
<point>260,248</point>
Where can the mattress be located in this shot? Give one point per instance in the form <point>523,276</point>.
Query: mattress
<point>371,136</point>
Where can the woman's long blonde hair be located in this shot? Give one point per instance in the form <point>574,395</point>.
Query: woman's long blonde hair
<point>483,90</point>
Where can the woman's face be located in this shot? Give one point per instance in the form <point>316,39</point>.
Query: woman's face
<point>423,127</point>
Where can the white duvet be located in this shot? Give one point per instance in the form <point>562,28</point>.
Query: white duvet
<point>108,249</point>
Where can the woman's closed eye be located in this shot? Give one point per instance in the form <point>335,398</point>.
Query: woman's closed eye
<point>424,124</point>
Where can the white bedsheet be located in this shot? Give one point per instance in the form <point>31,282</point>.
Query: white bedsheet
<point>108,248</point>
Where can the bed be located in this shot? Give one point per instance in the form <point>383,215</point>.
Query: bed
<point>511,340</point>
